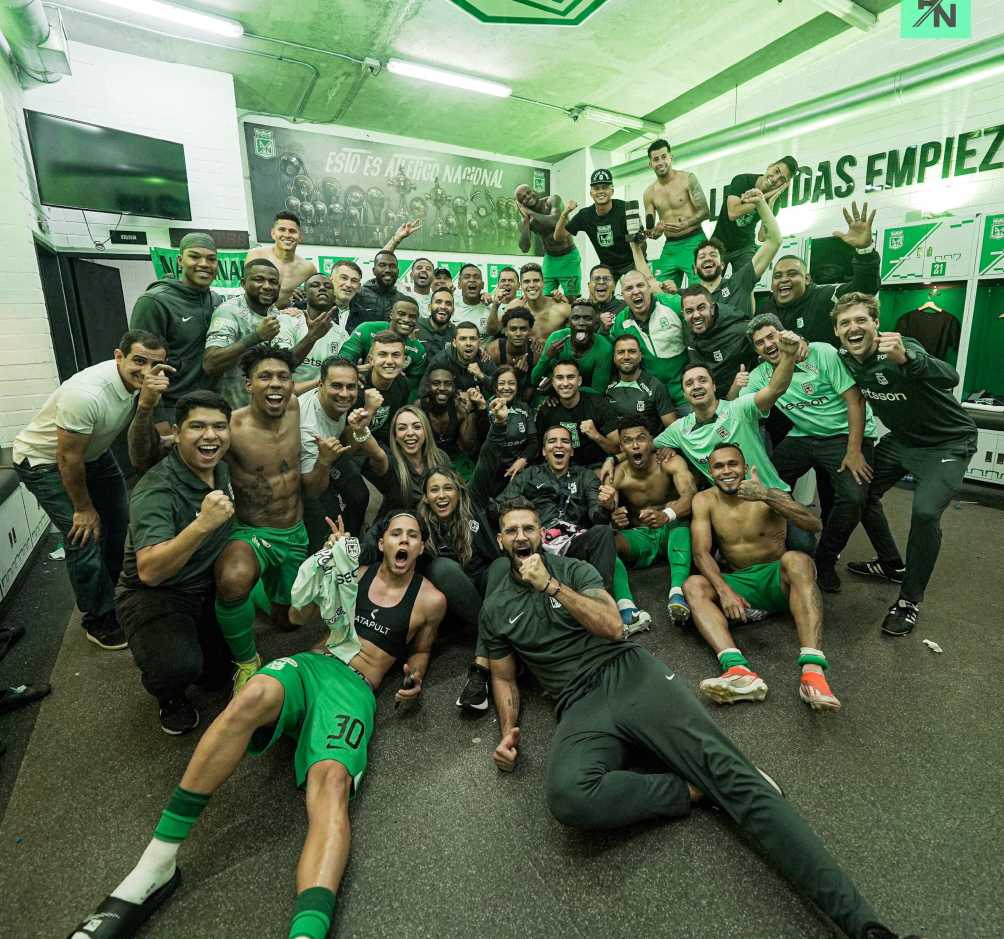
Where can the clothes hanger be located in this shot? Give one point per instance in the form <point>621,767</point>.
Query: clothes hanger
<point>930,304</point>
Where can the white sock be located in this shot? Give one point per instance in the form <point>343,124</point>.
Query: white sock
<point>676,591</point>
<point>623,605</point>
<point>154,869</point>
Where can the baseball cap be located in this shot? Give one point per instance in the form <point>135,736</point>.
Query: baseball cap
<point>601,178</point>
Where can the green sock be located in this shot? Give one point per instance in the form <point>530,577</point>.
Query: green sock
<point>620,587</point>
<point>812,656</point>
<point>729,658</point>
<point>679,555</point>
<point>182,812</point>
<point>259,597</point>
<point>312,914</point>
<point>236,621</point>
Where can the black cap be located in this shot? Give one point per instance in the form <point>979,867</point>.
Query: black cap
<point>601,178</point>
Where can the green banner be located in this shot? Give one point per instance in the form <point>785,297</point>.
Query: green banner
<point>901,242</point>
<point>349,191</point>
<point>992,245</point>
<point>231,266</point>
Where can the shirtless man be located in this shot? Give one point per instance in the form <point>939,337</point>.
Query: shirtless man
<point>548,314</point>
<point>324,699</point>
<point>648,501</point>
<point>269,541</point>
<point>749,524</point>
<point>562,261</point>
<point>677,199</point>
<point>293,270</point>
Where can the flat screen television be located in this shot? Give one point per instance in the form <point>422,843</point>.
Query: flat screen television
<point>84,166</point>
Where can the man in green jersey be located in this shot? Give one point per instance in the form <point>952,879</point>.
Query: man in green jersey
<point>403,320</point>
<point>930,436</point>
<point>614,698</point>
<point>833,433</point>
<point>323,699</point>
<point>579,341</point>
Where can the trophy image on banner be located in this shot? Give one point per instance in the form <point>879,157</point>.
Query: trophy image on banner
<point>438,197</point>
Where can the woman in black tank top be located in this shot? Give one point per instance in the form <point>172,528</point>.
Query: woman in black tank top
<point>385,626</point>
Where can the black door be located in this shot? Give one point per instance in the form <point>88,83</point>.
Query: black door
<point>101,308</point>
<point>65,343</point>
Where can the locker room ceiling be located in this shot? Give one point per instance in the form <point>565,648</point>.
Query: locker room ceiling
<point>650,58</point>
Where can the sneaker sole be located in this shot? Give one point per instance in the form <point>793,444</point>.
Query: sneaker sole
<point>179,733</point>
<point>895,633</point>
<point>477,708</point>
<point>104,645</point>
<point>876,576</point>
<point>728,695</point>
<point>818,703</point>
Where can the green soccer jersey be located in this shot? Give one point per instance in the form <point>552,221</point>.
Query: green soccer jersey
<point>647,397</point>
<point>813,402</point>
<point>913,400</point>
<point>558,650</point>
<point>594,364</point>
<point>360,341</point>
<point>734,422</point>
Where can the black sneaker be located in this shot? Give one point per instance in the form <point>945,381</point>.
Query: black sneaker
<point>901,618</point>
<point>107,634</point>
<point>875,568</point>
<point>828,578</point>
<point>178,716</point>
<point>474,694</point>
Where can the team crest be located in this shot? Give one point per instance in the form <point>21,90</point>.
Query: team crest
<point>475,525</point>
<point>573,488</point>
<point>522,427</point>
<point>717,355</point>
<point>807,388</point>
<point>881,379</point>
<point>723,432</point>
<point>352,548</point>
<point>725,292</point>
<point>640,407</point>
<point>800,322</point>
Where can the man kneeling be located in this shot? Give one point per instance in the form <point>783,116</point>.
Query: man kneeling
<point>615,699</point>
<point>324,699</point>
<point>749,522</point>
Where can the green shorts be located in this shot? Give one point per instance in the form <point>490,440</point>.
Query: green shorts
<point>280,552</point>
<point>760,585</point>
<point>564,272</point>
<point>328,709</point>
<point>678,255</point>
<point>647,545</point>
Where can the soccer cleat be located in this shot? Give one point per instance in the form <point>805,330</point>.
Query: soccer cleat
<point>679,609</point>
<point>901,618</point>
<point>178,716</point>
<point>754,615</point>
<point>827,578</point>
<point>874,568</point>
<point>736,684</point>
<point>119,919</point>
<point>243,674</point>
<point>640,622</point>
<point>474,694</point>
<point>815,691</point>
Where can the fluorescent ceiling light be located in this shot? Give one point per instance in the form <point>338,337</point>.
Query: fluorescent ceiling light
<point>440,76</point>
<point>181,16</point>
<point>850,12</point>
<point>616,119</point>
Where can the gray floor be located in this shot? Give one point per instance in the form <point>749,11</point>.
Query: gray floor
<point>903,785</point>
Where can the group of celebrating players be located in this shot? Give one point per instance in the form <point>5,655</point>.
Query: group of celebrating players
<point>527,449</point>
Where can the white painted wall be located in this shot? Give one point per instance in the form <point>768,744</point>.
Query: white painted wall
<point>192,106</point>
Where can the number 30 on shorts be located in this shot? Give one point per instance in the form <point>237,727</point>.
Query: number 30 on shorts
<point>350,729</point>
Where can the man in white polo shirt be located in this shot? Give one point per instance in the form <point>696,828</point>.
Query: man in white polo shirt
<point>63,456</point>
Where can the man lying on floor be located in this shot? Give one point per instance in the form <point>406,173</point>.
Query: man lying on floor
<point>325,699</point>
<point>615,697</point>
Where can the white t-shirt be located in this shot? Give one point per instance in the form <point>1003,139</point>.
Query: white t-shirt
<point>233,321</point>
<point>293,327</point>
<point>315,420</point>
<point>94,402</point>
<point>422,299</point>
<point>476,313</point>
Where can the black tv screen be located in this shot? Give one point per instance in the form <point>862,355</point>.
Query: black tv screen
<point>84,166</point>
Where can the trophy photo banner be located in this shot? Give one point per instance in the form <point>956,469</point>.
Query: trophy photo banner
<point>357,192</point>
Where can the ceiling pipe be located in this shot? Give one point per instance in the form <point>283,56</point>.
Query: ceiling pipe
<point>962,67</point>
<point>26,27</point>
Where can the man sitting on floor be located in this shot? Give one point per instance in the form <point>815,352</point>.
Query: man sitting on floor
<point>748,522</point>
<point>613,699</point>
<point>325,700</point>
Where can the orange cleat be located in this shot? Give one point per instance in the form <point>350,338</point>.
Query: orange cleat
<point>815,692</point>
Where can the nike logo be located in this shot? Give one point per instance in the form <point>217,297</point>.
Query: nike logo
<point>185,319</point>
<point>512,619</point>
<point>670,677</point>
<point>952,460</point>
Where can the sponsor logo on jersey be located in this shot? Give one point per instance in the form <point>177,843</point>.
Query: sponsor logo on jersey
<point>883,395</point>
<point>798,405</point>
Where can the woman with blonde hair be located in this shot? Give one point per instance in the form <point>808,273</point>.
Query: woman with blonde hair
<point>413,452</point>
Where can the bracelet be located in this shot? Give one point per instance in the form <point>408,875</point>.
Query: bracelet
<point>867,250</point>
<point>669,513</point>
<point>364,438</point>
<point>557,587</point>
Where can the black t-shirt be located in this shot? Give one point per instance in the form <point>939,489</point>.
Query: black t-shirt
<point>608,233</point>
<point>393,398</point>
<point>936,330</point>
<point>592,407</point>
<point>740,233</point>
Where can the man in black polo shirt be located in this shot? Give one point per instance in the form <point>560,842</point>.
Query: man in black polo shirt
<point>179,521</point>
<point>613,699</point>
<point>604,222</point>
<point>930,436</point>
<point>587,416</point>
<point>736,225</point>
